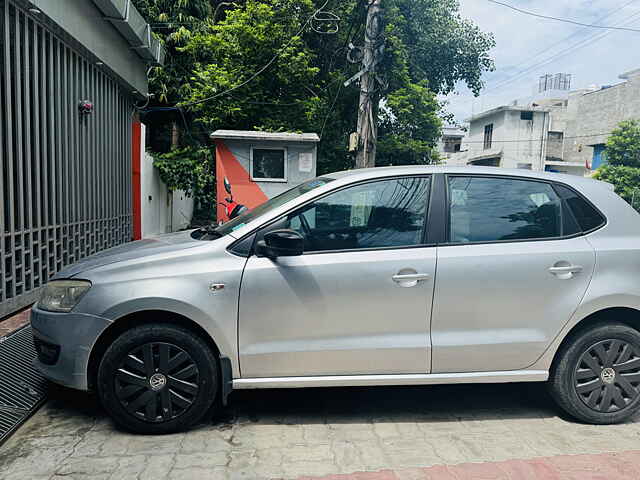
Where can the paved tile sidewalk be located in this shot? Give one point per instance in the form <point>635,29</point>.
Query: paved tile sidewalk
<point>604,466</point>
<point>288,434</point>
<point>14,322</point>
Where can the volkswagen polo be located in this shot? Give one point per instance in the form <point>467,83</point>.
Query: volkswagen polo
<point>387,276</point>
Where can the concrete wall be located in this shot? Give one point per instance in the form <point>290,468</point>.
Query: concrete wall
<point>518,142</point>
<point>585,119</point>
<point>526,139</point>
<point>591,114</point>
<point>82,21</point>
<point>476,135</point>
<point>162,211</point>
<point>242,151</point>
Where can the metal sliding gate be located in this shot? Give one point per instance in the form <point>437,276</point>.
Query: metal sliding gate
<point>65,175</point>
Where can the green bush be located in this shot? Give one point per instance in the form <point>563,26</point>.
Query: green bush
<point>623,162</point>
<point>193,171</point>
<point>626,181</point>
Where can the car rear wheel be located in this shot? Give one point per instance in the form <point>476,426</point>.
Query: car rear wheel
<point>157,379</point>
<point>596,377</point>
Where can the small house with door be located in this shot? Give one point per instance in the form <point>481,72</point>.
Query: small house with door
<point>261,165</point>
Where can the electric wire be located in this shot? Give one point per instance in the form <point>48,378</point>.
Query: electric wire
<point>565,20</point>
<point>581,44</point>
<point>608,14</point>
<point>529,67</point>
<point>537,139</point>
<point>330,111</point>
<point>261,70</point>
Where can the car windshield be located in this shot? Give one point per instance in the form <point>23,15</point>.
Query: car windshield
<point>266,207</point>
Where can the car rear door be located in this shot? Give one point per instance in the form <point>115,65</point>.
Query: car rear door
<point>511,273</point>
<point>358,301</point>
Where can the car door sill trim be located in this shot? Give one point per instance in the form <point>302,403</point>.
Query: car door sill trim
<point>402,379</point>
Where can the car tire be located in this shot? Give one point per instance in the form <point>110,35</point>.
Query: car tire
<point>157,379</point>
<point>596,375</point>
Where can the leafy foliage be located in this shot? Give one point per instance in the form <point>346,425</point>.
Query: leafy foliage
<point>409,124</point>
<point>623,162</point>
<point>214,46</point>
<point>174,22</point>
<point>193,171</point>
<point>626,181</point>
<point>623,146</point>
<point>231,51</point>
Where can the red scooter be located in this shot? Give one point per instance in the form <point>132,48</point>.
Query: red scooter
<point>231,208</point>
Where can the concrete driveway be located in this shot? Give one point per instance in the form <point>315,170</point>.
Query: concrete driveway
<point>392,433</point>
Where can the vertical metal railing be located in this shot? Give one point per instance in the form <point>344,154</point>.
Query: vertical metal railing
<point>65,177</point>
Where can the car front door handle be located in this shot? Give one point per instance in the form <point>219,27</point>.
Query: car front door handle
<point>566,269</point>
<point>410,279</point>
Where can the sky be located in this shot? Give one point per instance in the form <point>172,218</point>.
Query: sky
<point>527,47</point>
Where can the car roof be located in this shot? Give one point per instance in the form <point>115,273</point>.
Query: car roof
<point>377,172</point>
<point>600,193</point>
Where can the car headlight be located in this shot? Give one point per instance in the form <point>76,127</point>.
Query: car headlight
<point>63,295</point>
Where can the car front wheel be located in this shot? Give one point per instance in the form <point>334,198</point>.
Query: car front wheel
<point>596,377</point>
<point>157,379</point>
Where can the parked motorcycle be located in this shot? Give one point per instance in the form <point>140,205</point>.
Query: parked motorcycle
<point>232,208</point>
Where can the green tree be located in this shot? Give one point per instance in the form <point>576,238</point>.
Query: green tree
<point>622,169</point>
<point>230,52</point>
<point>429,48</point>
<point>189,166</point>
<point>174,22</point>
<point>265,64</point>
<point>623,146</point>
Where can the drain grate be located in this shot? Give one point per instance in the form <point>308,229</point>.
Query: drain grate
<point>22,388</point>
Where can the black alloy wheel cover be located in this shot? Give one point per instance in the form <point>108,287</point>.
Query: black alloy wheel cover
<point>607,376</point>
<point>157,382</point>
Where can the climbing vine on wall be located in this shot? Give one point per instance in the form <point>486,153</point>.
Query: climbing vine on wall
<point>191,170</point>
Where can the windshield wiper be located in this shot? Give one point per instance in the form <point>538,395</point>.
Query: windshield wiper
<point>212,230</point>
<point>208,231</point>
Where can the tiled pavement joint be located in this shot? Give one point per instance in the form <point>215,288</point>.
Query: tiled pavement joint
<point>402,433</point>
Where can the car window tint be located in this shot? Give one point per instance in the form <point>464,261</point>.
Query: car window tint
<point>483,209</point>
<point>587,216</point>
<point>386,213</point>
<point>569,224</point>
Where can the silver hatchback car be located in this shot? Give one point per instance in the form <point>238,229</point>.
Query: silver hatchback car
<point>388,276</point>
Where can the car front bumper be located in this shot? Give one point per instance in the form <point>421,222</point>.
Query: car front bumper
<point>63,344</point>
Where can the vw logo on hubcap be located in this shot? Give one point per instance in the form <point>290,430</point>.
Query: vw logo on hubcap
<point>157,381</point>
<point>608,375</point>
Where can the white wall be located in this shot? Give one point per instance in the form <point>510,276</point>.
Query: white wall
<point>241,149</point>
<point>518,142</point>
<point>158,216</point>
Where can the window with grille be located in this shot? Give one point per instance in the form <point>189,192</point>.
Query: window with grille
<point>488,136</point>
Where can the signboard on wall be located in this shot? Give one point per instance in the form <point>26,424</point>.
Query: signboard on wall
<point>305,162</point>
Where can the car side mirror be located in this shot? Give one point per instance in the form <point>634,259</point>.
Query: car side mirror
<point>280,243</point>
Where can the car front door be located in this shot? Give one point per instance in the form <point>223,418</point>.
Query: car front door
<point>512,273</point>
<point>358,301</point>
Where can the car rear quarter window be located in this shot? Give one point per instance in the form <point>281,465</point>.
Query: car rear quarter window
<point>492,209</point>
<point>587,216</point>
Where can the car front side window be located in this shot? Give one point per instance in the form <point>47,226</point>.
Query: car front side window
<point>380,214</point>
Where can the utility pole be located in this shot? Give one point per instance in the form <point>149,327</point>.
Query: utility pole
<point>370,85</point>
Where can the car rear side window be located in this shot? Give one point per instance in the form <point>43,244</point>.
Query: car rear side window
<point>587,216</point>
<point>490,209</point>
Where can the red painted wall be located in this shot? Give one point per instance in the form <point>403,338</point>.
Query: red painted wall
<point>245,191</point>
<point>136,138</point>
